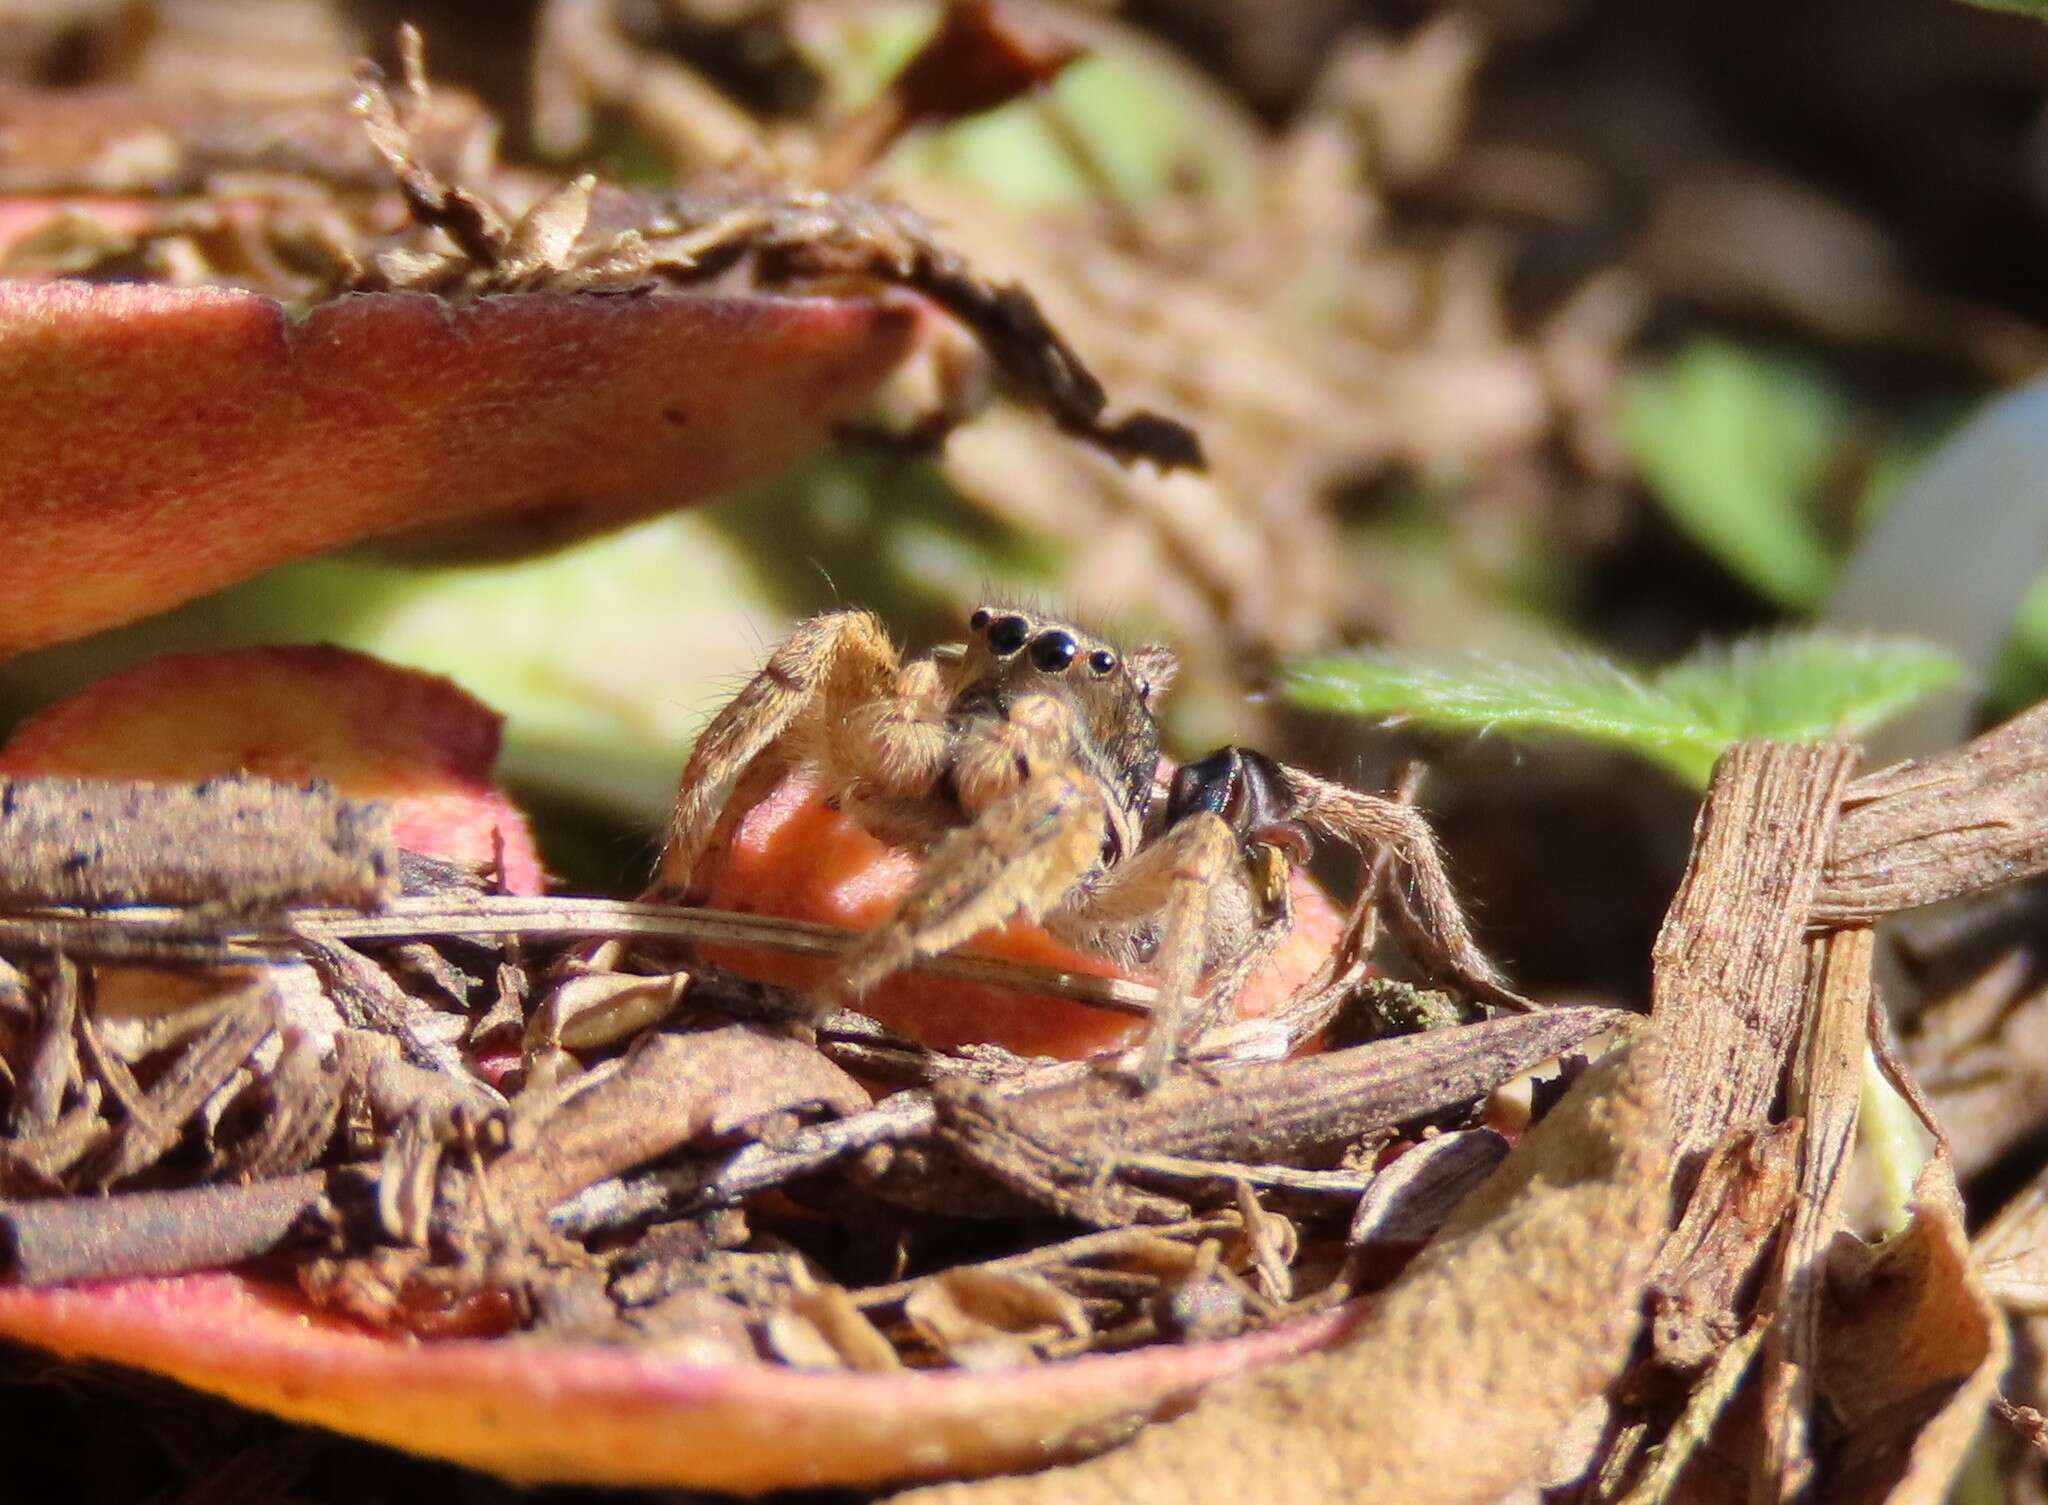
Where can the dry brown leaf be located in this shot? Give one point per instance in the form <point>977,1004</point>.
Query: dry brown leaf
<point>988,1318</point>
<point>1980,1053</point>
<point>1912,1353</point>
<point>1458,1383</point>
<point>823,1329</point>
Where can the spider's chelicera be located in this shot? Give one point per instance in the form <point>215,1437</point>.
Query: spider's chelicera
<point>1025,763</point>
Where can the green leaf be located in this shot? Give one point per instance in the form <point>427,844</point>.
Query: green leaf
<point>1796,686</point>
<point>1733,446</point>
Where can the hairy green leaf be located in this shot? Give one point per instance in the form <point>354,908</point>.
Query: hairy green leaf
<point>1790,686</point>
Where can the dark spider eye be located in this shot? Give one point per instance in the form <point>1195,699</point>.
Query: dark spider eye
<point>1053,651</point>
<point>979,620</point>
<point>1006,635</point>
<point>1101,661</point>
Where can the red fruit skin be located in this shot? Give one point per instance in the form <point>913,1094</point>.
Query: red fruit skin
<point>795,857</point>
<point>371,729</point>
<point>585,1413</point>
<point>157,443</point>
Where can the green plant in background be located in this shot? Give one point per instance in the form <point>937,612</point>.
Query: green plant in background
<point>1793,686</point>
<point>1735,445</point>
<point>1131,116</point>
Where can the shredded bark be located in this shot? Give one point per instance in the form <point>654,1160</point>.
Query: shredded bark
<point>57,1241</point>
<point>1744,1190</point>
<point>237,842</point>
<point>1936,828</point>
<point>1826,1088</point>
<point>1730,979</point>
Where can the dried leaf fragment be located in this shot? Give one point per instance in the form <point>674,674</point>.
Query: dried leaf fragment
<point>1912,1355</point>
<point>1455,1386</point>
<point>984,1319</point>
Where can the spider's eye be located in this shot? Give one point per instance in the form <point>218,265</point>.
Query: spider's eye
<point>1101,661</point>
<point>1053,651</point>
<point>1144,689</point>
<point>979,620</point>
<point>1007,634</point>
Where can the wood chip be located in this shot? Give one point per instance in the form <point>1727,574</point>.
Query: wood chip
<point>668,1090</point>
<point>1826,1089</point>
<point>1937,828</point>
<point>1730,980</point>
<point>236,841</point>
<point>130,1234</point>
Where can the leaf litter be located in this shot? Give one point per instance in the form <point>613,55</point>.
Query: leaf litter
<point>600,1182</point>
<point>612,1190</point>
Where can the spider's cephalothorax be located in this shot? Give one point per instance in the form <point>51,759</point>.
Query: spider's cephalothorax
<point>1024,762</point>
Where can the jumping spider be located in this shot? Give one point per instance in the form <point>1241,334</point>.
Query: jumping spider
<point>1025,763</point>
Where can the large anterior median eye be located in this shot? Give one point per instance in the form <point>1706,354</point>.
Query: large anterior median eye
<point>1006,634</point>
<point>1053,651</point>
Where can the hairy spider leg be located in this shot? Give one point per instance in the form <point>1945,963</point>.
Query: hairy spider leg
<point>1024,855</point>
<point>834,693</point>
<point>1439,927</point>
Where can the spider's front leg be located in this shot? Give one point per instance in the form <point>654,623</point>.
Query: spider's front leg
<point>1020,857</point>
<point>1178,880</point>
<point>1359,820</point>
<point>834,676</point>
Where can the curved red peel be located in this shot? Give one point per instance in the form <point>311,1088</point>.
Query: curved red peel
<point>157,443</point>
<point>371,729</point>
<point>582,1413</point>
